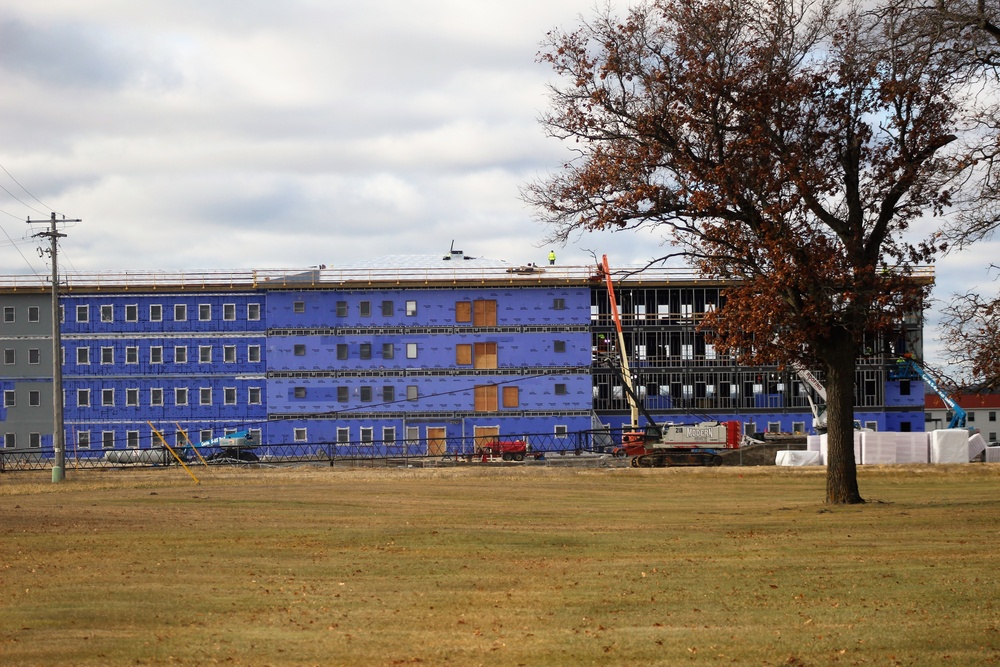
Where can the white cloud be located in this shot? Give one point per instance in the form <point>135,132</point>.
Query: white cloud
<point>249,133</point>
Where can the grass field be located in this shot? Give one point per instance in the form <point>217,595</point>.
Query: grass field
<point>500,566</point>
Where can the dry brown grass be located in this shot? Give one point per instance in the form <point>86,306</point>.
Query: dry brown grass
<point>512,566</point>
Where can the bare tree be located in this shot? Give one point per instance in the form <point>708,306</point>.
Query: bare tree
<point>785,145</point>
<point>966,33</point>
<point>972,341</point>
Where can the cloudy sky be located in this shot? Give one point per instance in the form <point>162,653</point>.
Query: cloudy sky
<point>253,133</point>
<point>198,134</point>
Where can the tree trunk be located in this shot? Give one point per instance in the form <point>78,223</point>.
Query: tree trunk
<point>841,467</point>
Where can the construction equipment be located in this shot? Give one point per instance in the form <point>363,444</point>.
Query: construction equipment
<point>907,369</point>
<point>819,412</point>
<point>680,444</point>
<point>507,450</point>
<point>235,447</point>
<point>660,445</point>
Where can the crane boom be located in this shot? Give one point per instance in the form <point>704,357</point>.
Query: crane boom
<point>806,375</point>
<point>669,444</point>
<point>626,372</point>
<point>906,368</point>
<point>819,414</point>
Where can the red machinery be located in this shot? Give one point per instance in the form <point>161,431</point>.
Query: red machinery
<point>508,450</point>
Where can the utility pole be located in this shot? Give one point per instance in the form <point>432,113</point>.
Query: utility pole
<point>58,428</point>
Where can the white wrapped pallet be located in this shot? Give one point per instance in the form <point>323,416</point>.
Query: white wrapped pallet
<point>878,447</point>
<point>797,458</point>
<point>857,447</point>
<point>812,443</point>
<point>993,454</point>
<point>949,445</point>
<point>976,445</point>
<point>912,447</point>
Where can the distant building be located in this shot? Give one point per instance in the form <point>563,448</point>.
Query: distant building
<point>981,413</point>
<point>413,354</point>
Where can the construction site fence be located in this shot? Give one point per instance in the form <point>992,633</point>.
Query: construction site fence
<point>376,453</point>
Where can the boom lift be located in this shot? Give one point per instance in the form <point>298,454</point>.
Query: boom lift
<point>819,413</point>
<point>907,369</point>
<point>232,448</point>
<point>657,446</point>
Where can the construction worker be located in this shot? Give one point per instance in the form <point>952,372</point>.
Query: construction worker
<point>552,257</point>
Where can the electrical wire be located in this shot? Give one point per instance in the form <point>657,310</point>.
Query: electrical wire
<point>13,243</point>
<point>65,258</point>
<point>16,217</point>
<point>367,407</point>
<point>24,203</point>
<point>26,191</point>
<point>247,425</point>
<point>19,199</point>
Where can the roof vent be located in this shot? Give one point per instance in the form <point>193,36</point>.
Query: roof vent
<point>455,254</point>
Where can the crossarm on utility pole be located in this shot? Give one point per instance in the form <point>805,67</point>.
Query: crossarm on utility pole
<point>58,428</point>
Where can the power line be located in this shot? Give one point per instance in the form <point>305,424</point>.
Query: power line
<point>26,191</point>
<point>16,217</point>
<point>13,243</point>
<point>66,259</point>
<point>368,407</point>
<point>20,200</point>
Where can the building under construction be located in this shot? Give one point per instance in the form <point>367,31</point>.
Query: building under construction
<point>413,354</point>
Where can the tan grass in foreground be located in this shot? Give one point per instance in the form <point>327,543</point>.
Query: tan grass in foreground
<point>522,566</point>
